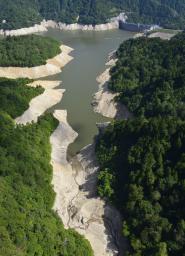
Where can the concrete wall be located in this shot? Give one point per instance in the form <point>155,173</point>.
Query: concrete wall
<point>134,27</point>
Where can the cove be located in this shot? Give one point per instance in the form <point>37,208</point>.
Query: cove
<point>90,54</point>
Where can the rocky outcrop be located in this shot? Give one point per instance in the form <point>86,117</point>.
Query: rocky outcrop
<point>76,193</point>
<point>53,66</point>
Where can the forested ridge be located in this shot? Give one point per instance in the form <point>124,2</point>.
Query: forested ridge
<point>25,13</point>
<point>142,160</point>
<point>28,225</point>
<point>149,76</point>
<point>27,51</point>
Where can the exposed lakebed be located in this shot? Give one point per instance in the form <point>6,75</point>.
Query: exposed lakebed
<point>90,54</point>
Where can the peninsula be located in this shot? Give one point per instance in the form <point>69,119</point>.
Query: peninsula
<point>27,197</point>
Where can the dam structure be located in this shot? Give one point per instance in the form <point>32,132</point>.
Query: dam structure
<point>136,27</point>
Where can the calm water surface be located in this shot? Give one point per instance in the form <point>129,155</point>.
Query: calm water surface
<point>90,54</point>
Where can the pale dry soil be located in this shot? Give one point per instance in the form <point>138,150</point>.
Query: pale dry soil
<point>41,103</point>
<point>76,193</point>
<point>50,96</point>
<point>53,66</point>
<point>75,182</point>
<point>104,101</point>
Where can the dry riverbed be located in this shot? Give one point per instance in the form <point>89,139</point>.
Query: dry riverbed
<point>75,182</point>
<point>76,193</point>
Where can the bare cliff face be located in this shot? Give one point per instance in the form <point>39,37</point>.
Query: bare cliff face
<point>101,27</point>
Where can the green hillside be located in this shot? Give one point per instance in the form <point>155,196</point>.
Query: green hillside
<point>27,51</point>
<point>149,76</point>
<point>24,13</point>
<point>28,225</point>
<point>142,161</point>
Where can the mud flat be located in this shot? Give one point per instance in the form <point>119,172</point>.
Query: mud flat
<point>53,66</point>
<point>41,103</point>
<point>76,201</point>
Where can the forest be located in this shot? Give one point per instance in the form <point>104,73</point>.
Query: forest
<point>15,95</point>
<point>27,51</point>
<point>25,13</point>
<point>28,226</point>
<point>149,76</point>
<point>142,160</point>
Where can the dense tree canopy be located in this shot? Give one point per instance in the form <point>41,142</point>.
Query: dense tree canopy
<point>149,76</point>
<point>27,51</point>
<point>28,226</point>
<point>142,160</point>
<point>142,173</point>
<point>167,13</point>
<point>18,14</point>
<point>24,13</point>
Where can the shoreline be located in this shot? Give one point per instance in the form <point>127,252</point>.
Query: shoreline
<point>104,99</point>
<point>42,102</point>
<point>53,66</point>
<point>76,199</point>
<point>113,23</point>
<point>75,182</point>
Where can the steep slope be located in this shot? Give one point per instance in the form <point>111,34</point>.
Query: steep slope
<point>142,159</point>
<point>24,13</point>
<point>28,225</point>
<point>149,76</point>
<point>27,51</point>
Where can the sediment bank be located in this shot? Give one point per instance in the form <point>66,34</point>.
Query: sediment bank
<point>76,200</point>
<point>76,193</point>
<point>53,66</point>
<point>104,101</point>
<point>113,23</point>
<point>41,103</point>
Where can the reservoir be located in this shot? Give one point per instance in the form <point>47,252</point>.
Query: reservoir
<point>90,54</point>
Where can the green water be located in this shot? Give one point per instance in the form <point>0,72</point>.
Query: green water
<point>90,54</point>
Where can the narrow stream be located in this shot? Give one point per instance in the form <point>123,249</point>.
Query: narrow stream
<point>90,53</point>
